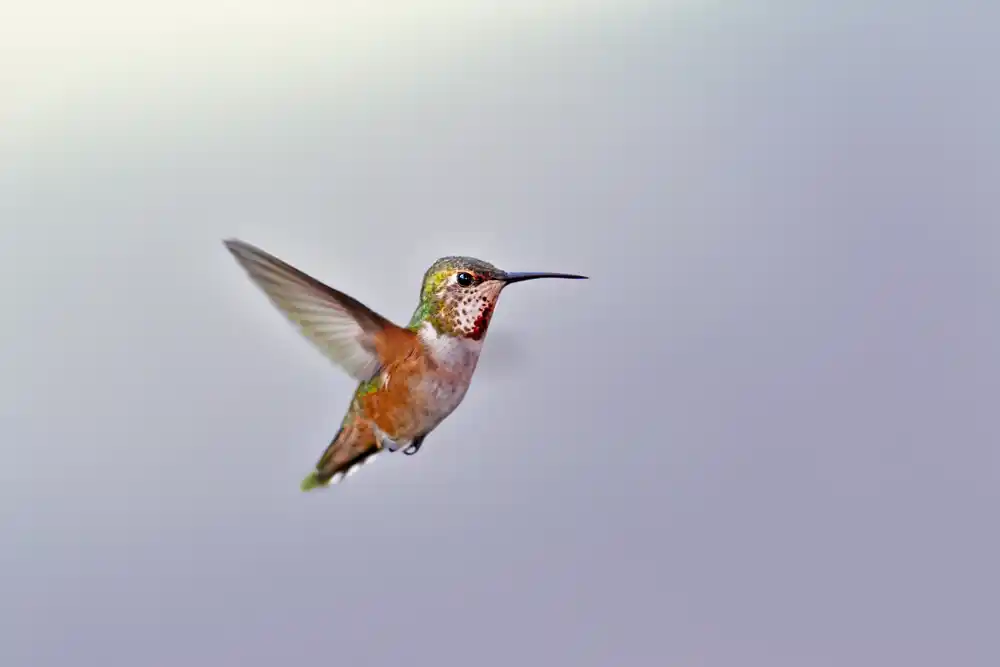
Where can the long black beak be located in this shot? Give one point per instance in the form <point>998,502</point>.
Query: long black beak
<point>517,277</point>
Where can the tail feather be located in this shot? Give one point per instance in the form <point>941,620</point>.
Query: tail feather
<point>353,446</point>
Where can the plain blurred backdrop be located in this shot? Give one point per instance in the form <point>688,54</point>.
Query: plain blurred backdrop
<point>763,434</point>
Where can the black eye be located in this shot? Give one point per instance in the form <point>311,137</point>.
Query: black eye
<point>464,279</point>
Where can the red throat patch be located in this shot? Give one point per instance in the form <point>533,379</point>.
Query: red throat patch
<point>482,322</point>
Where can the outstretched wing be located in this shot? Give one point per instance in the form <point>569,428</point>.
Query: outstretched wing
<point>349,333</point>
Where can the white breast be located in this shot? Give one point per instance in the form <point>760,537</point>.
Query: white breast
<point>457,359</point>
<point>450,351</point>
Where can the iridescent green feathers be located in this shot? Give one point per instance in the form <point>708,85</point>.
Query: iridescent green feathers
<point>312,481</point>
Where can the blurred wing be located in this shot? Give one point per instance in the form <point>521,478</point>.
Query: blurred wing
<point>342,328</point>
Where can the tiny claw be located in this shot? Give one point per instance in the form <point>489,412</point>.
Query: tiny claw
<point>414,446</point>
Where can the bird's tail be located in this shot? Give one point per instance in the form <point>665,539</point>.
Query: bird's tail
<point>353,446</point>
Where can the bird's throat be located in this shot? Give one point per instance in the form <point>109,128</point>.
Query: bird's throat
<point>448,350</point>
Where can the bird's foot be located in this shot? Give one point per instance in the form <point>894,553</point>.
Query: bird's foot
<point>414,446</point>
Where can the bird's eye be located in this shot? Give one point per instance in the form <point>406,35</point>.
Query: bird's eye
<point>464,279</point>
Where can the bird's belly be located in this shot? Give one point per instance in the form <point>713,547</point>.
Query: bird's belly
<point>411,404</point>
<point>438,398</point>
<point>408,409</point>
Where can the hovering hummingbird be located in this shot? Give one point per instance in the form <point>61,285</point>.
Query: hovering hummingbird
<point>410,379</point>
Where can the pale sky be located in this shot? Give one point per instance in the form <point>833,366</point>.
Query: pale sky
<point>762,434</point>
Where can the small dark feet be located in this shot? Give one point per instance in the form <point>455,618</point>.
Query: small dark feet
<point>414,446</point>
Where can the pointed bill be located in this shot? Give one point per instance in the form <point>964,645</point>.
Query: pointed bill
<point>520,276</point>
<point>342,328</point>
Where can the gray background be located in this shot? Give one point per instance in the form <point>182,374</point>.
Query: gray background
<point>762,434</point>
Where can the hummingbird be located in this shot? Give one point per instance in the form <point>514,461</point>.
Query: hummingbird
<point>409,378</point>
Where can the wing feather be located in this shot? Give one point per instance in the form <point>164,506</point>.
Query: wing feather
<point>345,330</point>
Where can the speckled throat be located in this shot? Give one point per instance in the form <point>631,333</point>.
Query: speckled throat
<point>466,313</point>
